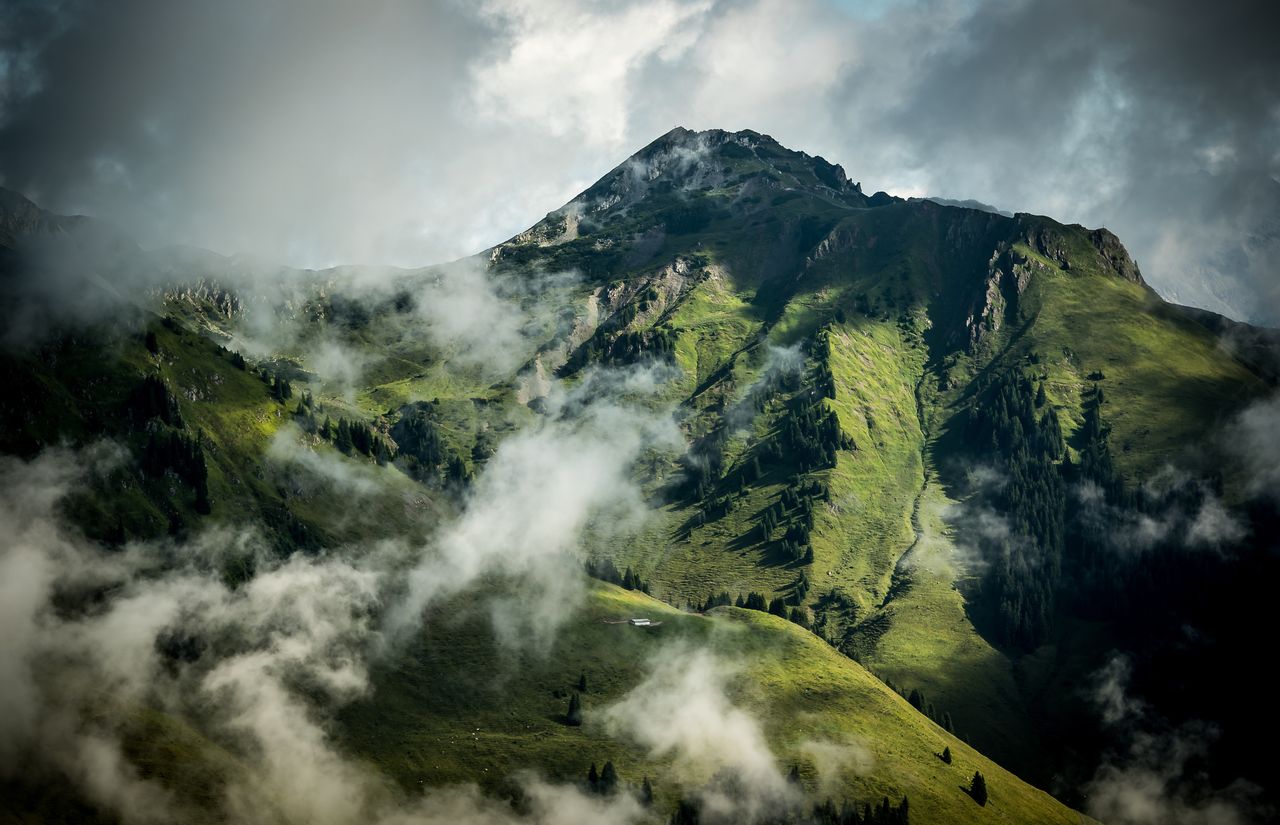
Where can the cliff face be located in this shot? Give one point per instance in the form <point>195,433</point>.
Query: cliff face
<point>20,218</point>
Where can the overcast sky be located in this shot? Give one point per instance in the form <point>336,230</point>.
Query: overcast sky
<point>395,132</point>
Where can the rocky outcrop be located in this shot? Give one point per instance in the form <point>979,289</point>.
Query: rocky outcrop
<point>1060,243</point>
<point>1116,256</point>
<point>1000,303</point>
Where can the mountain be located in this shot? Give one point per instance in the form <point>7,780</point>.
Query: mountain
<point>980,473</point>
<point>968,203</point>
<point>913,312</point>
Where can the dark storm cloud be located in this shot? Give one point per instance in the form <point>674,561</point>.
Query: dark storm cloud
<point>305,132</point>
<point>405,133</point>
<point>1161,119</point>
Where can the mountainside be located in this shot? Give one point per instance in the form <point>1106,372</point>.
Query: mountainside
<point>972,464</point>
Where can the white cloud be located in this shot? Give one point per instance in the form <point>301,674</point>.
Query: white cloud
<point>569,64</point>
<point>682,711</point>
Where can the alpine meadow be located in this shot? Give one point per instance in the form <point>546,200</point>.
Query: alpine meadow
<point>726,492</point>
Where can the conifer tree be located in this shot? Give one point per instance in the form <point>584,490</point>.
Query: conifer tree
<point>608,779</point>
<point>978,788</point>
<point>200,479</point>
<point>343,440</point>
<point>574,714</point>
<point>946,755</point>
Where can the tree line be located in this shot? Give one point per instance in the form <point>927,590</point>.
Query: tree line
<point>788,607</point>
<point>1022,440</point>
<point>168,447</point>
<point>606,571</point>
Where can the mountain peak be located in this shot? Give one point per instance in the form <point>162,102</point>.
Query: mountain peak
<point>684,161</point>
<point>21,218</point>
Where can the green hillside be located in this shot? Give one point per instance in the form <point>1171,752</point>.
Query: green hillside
<point>846,371</point>
<point>464,708</point>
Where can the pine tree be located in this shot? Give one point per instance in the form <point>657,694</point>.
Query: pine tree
<point>978,788</point>
<point>646,792</point>
<point>201,482</point>
<point>608,779</point>
<point>593,778</point>
<point>582,683</point>
<point>343,440</point>
<point>686,813</point>
<point>946,755</point>
<point>1041,398</point>
<point>574,714</point>
<point>456,472</point>
<point>153,346</point>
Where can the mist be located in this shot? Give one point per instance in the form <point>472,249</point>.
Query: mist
<point>682,710</point>
<point>265,665</point>
<point>424,133</point>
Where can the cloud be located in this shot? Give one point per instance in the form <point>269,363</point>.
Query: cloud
<point>336,365</point>
<point>1251,440</point>
<point>835,762</point>
<point>542,492</point>
<point>1111,691</point>
<point>1144,787</point>
<point>780,364</point>
<point>455,126</point>
<point>1155,781</point>
<point>568,65</point>
<point>290,446</point>
<point>681,710</point>
<point>262,666</point>
<point>1177,510</point>
<point>1156,776</point>
<point>463,311</point>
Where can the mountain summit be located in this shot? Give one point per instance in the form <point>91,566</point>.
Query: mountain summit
<point>685,161</point>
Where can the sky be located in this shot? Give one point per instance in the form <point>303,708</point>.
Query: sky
<point>316,133</point>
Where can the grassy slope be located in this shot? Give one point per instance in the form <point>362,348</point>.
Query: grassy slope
<point>1168,381</point>
<point>1085,319</point>
<point>461,708</point>
<point>923,637</point>
<point>458,708</point>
